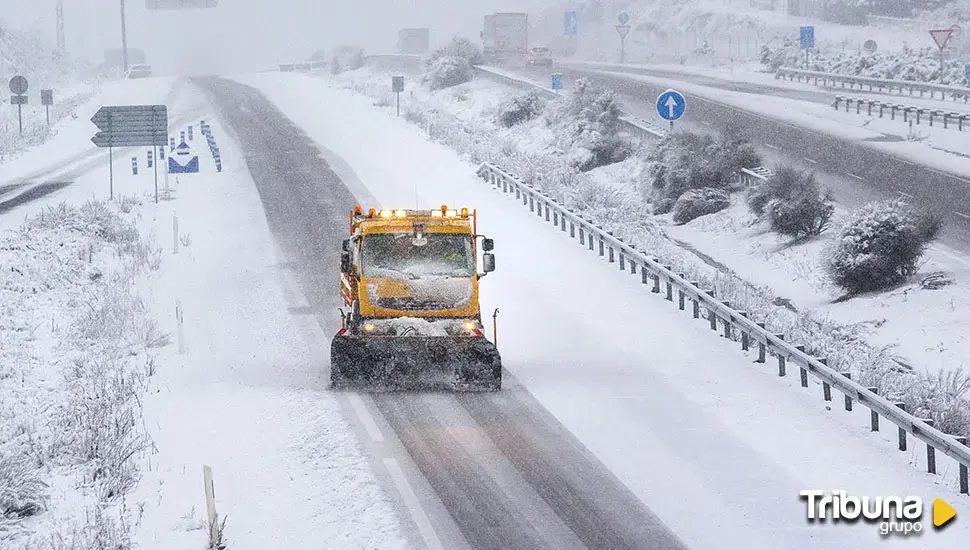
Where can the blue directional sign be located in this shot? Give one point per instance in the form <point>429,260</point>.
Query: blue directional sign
<point>966,72</point>
<point>557,81</point>
<point>806,37</point>
<point>570,23</point>
<point>623,18</point>
<point>671,105</point>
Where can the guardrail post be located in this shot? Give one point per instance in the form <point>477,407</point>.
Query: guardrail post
<point>762,351</point>
<point>602,247</point>
<point>902,432</point>
<point>964,484</point>
<point>848,398</point>
<point>782,360</point>
<point>644,275</point>
<point>582,232</point>
<point>873,415</point>
<point>727,322</point>
<point>670,285</point>
<point>744,333</point>
<point>710,313</point>
<point>695,303</point>
<point>555,219</point>
<point>930,451</point>
<point>826,387</point>
<point>622,262</point>
<point>681,295</point>
<point>589,240</point>
<point>803,374</point>
<point>547,211</point>
<point>562,223</point>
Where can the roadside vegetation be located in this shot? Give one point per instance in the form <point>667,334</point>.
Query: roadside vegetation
<point>75,360</point>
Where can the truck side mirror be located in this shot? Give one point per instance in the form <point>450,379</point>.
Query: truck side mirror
<point>346,245</point>
<point>488,262</point>
<point>345,265</point>
<point>488,245</point>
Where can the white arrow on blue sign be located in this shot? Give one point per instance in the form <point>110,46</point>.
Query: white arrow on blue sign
<point>624,18</point>
<point>570,23</point>
<point>671,105</point>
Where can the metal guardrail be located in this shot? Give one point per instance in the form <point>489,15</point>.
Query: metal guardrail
<point>961,119</point>
<point>665,281</point>
<point>875,84</point>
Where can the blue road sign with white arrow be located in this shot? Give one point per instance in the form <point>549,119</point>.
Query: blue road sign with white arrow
<point>570,23</point>
<point>671,105</point>
<point>806,37</point>
<point>623,18</point>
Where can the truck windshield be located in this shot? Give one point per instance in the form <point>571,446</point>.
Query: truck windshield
<point>395,255</point>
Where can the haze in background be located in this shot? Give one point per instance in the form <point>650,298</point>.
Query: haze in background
<point>245,35</point>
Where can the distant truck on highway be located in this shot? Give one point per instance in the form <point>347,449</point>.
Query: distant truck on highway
<point>413,41</point>
<point>505,38</point>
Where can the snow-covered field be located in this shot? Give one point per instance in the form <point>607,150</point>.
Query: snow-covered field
<point>612,382</point>
<point>109,422</point>
<point>753,268</point>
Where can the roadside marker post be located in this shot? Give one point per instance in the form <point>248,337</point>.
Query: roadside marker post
<point>397,86</point>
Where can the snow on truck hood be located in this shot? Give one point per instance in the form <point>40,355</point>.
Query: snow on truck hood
<point>436,292</point>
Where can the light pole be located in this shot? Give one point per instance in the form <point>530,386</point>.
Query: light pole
<point>124,40</point>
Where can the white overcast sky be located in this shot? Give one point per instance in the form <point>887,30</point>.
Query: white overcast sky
<point>242,35</point>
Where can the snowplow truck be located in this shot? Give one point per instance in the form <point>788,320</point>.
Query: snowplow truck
<point>410,280</point>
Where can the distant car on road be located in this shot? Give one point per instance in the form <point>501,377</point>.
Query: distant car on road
<point>540,56</point>
<point>139,71</point>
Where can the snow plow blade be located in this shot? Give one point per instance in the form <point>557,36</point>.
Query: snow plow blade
<point>394,363</point>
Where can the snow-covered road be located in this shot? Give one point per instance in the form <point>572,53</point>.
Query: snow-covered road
<point>717,447</point>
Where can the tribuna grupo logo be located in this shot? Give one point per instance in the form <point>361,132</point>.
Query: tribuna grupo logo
<point>899,515</point>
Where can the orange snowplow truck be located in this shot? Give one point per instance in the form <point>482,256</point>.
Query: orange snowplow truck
<point>410,279</point>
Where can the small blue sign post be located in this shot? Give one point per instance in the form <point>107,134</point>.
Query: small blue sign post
<point>557,81</point>
<point>806,40</point>
<point>570,23</point>
<point>671,105</point>
<point>966,73</point>
<point>624,18</point>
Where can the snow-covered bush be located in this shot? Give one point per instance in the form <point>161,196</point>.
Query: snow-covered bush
<point>445,72</point>
<point>587,124</point>
<point>520,109</point>
<point>880,246</point>
<point>685,161</point>
<point>458,46</point>
<point>699,202</point>
<point>793,203</point>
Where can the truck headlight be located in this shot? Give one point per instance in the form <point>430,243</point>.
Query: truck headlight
<point>368,327</point>
<point>470,325</point>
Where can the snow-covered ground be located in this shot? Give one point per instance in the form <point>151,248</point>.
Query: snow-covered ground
<point>245,395</point>
<point>613,382</point>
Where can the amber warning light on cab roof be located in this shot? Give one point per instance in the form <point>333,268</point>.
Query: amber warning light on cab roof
<point>443,212</point>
